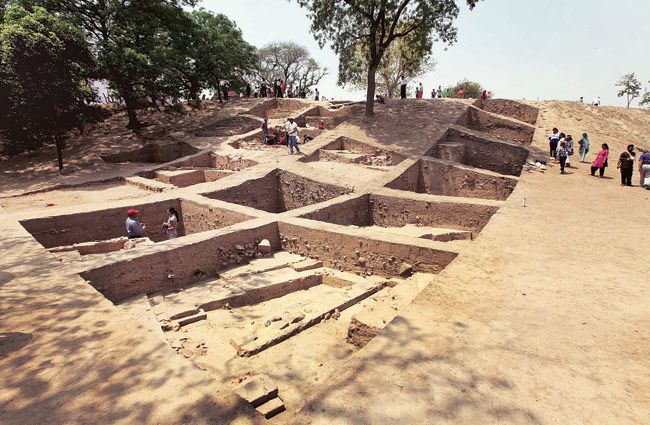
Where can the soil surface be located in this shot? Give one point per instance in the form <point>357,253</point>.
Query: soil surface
<point>443,298</point>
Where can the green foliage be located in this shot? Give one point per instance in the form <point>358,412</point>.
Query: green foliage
<point>290,63</point>
<point>630,87</point>
<point>217,52</point>
<point>44,66</point>
<point>644,102</point>
<point>372,26</point>
<point>472,89</point>
<point>150,52</point>
<point>400,59</point>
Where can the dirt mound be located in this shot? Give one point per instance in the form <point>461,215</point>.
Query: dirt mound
<point>497,127</point>
<point>509,108</point>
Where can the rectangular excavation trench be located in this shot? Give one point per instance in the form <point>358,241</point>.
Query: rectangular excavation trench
<point>438,178</point>
<point>200,168</point>
<point>346,150</point>
<point>100,231</point>
<point>221,291</point>
<point>178,267</point>
<point>153,153</point>
<point>497,127</point>
<point>278,191</point>
<point>440,221</point>
<point>469,149</point>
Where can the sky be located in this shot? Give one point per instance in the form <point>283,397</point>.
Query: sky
<point>518,49</point>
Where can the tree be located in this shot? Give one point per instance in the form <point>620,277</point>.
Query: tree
<point>217,52</point>
<point>290,63</point>
<point>134,42</point>
<point>400,59</point>
<point>472,89</point>
<point>44,65</point>
<point>645,99</point>
<point>630,87</point>
<point>375,24</point>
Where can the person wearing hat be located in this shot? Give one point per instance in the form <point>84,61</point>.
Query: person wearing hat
<point>134,228</point>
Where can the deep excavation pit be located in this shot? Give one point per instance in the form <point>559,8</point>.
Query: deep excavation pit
<point>497,127</point>
<point>289,317</point>
<point>153,153</point>
<point>255,141</point>
<point>466,148</point>
<point>278,191</point>
<point>104,231</point>
<point>439,221</point>
<point>346,150</point>
<point>202,168</point>
<point>439,178</point>
<point>278,108</point>
<point>229,127</point>
<point>329,118</point>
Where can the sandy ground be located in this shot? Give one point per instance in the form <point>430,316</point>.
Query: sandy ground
<point>65,197</point>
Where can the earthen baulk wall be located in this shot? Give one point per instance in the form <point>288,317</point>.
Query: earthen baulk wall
<point>510,108</point>
<point>108,224</point>
<point>355,212</point>
<point>99,225</point>
<point>478,152</point>
<point>229,127</point>
<point>496,127</point>
<point>200,218</point>
<point>153,153</point>
<point>358,254</point>
<point>437,178</point>
<point>278,191</point>
<point>179,267</point>
<point>385,211</point>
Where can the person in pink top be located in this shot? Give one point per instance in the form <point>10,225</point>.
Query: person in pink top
<point>601,161</point>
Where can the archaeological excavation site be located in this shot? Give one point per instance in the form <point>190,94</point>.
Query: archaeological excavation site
<point>285,267</point>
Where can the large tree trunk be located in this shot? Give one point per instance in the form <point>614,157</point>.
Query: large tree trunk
<point>59,151</point>
<point>370,93</point>
<point>131,105</point>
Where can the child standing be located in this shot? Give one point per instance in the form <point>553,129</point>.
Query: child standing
<point>569,150</point>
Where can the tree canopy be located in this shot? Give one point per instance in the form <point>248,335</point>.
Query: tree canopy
<point>45,62</point>
<point>630,87</point>
<point>472,89</point>
<point>400,59</point>
<point>644,102</point>
<point>150,52</point>
<point>375,25</point>
<point>291,63</point>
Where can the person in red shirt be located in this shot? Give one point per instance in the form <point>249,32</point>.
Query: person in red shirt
<point>461,93</point>
<point>283,87</point>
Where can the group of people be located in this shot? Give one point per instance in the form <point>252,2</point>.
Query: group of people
<point>595,102</point>
<point>561,148</point>
<point>277,88</point>
<point>435,93</point>
<point>290,137</point>
<point>136,229</point>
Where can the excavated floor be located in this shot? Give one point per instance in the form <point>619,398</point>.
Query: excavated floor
<point>351,151</point>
